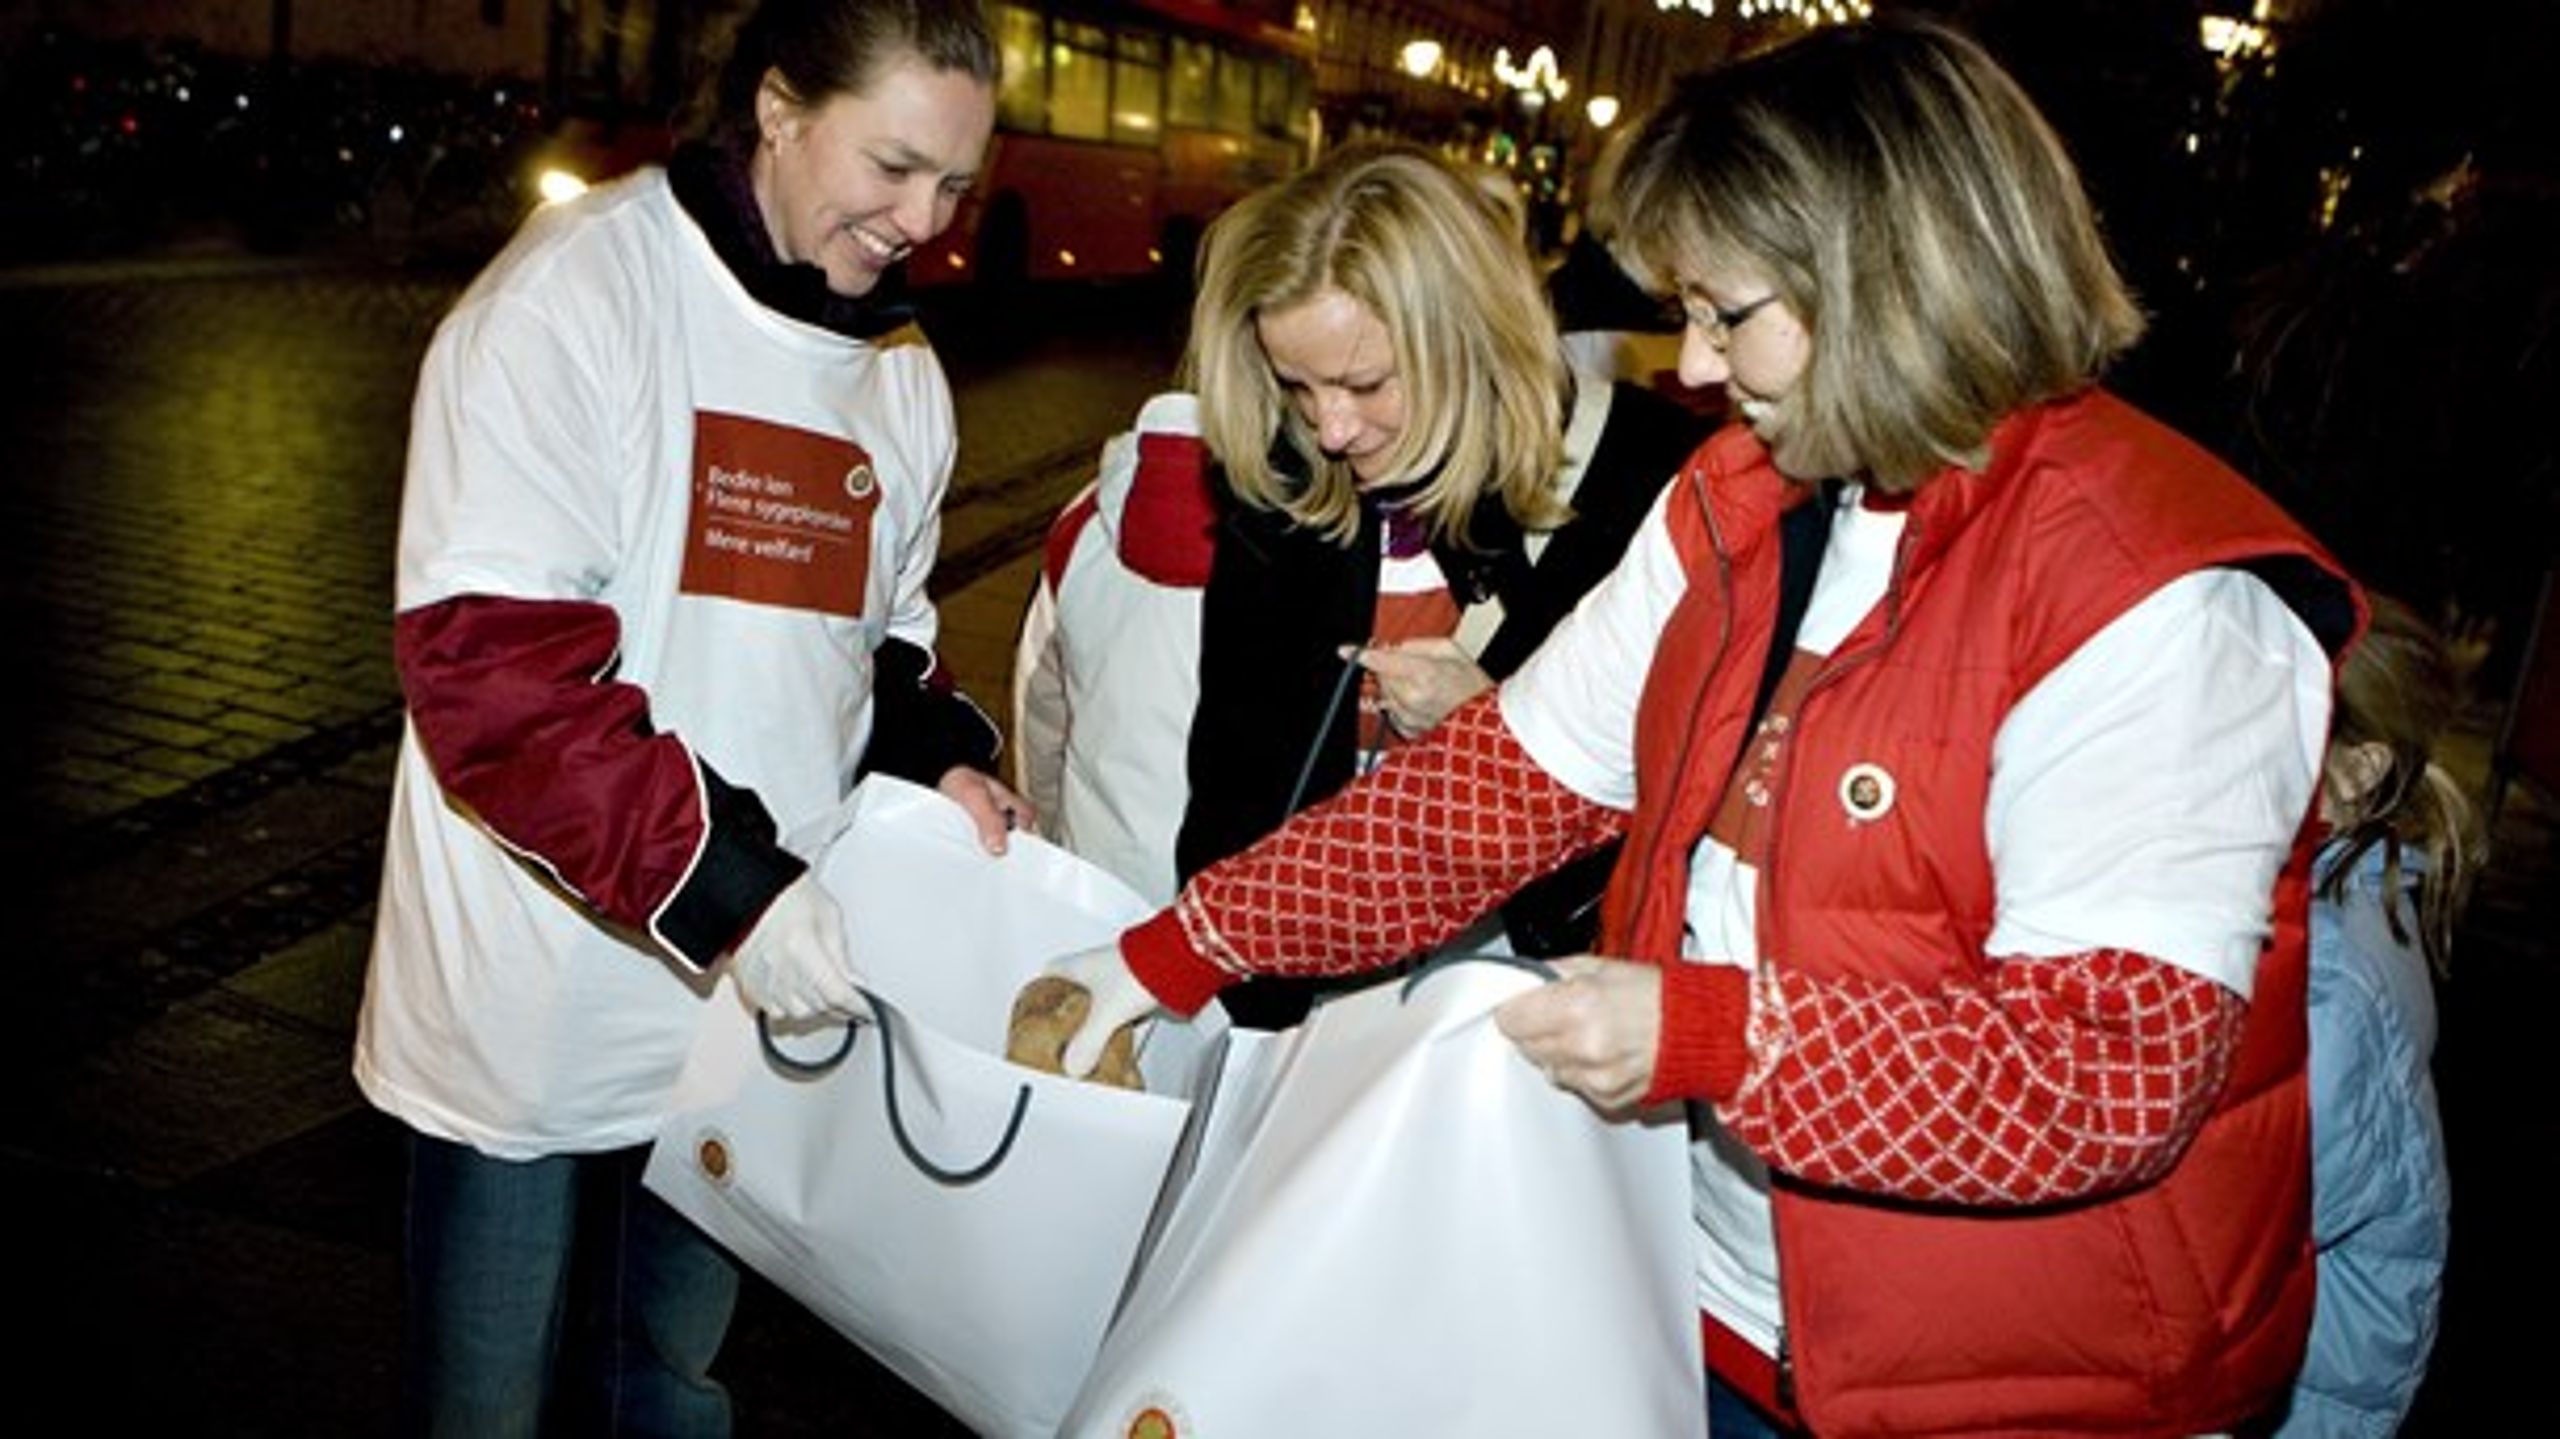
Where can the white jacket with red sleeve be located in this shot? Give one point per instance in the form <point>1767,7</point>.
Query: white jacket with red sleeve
<point>661,572</point>
<point>1107,668</point>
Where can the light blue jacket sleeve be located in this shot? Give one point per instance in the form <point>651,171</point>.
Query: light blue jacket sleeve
<point>2381,1198</point>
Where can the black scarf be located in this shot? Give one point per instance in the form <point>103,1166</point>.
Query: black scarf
<point>1489,559</point>
<point>711,184</point>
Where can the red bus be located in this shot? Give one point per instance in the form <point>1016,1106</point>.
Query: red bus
<point>1122,127</point>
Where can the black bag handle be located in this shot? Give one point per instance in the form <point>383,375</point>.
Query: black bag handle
<point>881,1015</point>
<point>1324,727</point>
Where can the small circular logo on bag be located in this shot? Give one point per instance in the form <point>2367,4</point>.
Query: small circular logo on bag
<point>711,1155</point>
<point>859,482</point>
<point>1157,1417</point>
<point>1866,791</point>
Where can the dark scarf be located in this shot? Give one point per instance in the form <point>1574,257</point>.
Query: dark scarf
<point>1477,568</point>
<point>1408,529</point>
<point>711,184</point>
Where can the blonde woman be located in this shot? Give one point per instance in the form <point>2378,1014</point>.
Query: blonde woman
<point>1962,726</point>
<point>1418,491</point>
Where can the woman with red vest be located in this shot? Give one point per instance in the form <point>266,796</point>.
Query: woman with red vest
<point>1963,724</point>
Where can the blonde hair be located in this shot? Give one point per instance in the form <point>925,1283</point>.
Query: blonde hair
<point>1475,346</point>
<point>1917,215</point>
<point>2397,689</point>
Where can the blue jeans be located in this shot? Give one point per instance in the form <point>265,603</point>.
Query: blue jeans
<point>518,1271</point>
<point>1730,1416</point>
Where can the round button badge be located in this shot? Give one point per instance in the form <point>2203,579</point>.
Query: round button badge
<point>1866,791</point>
<point>711,1152</point>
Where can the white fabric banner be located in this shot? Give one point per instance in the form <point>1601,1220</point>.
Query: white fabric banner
<point>1396,1226</point>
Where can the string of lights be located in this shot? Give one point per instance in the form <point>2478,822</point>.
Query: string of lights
<point>1807,13</point>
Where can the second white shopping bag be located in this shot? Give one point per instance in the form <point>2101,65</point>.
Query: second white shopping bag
<point>1397,1226</point>
<point>968,1222</point>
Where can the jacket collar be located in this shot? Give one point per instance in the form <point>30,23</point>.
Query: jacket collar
<point>711,183</point>
<point>1750,494</point>
<point>1947,501</point>
<point>1743,491</point>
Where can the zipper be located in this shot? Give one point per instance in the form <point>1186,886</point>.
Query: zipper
<point>1831,671</point>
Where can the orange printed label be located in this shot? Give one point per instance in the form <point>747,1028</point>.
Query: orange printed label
<point>781,516</point>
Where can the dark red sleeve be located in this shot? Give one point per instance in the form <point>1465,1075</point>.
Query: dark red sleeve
<point>516,707</point>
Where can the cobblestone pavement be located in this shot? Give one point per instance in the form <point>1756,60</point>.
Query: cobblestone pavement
<point>195,538</point>
<point>198,522</point>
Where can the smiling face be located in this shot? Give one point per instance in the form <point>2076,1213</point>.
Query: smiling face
<point>855,183</point>
<point>1337,367</point>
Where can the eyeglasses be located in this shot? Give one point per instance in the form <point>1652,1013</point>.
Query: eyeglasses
<point>1716,325</point>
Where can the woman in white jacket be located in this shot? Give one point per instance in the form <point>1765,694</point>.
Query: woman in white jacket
<point>1102,706</point>
<point>672,501</point>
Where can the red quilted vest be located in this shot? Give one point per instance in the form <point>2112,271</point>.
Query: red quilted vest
<point>2176,1308</point>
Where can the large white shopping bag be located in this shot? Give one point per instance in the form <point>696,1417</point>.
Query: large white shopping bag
<point>969,1222</point>
<point>1396,1226</point>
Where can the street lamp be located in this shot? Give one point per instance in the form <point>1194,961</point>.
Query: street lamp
<point>1420,58</point>
<point>1602,111</point>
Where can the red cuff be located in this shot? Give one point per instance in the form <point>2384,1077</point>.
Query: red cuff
<point>1161,956</point>
<point>1705,1047</point>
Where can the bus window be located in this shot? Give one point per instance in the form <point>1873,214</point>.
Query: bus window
<point>1195,70</point>
<point>1079,80</point>
<point>1023,104</point>
<point>1234,101</point>
<point>1137,87</point>
<point>1275,109</point>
